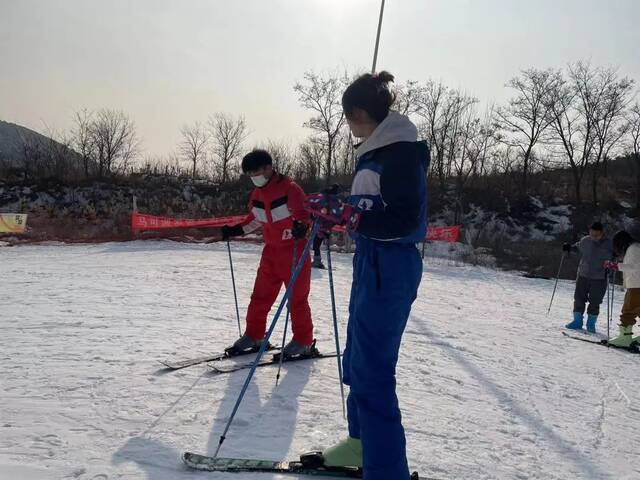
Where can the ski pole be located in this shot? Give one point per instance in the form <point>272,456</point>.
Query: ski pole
<point>286,318</point>
<point>335,325</point>
<point>233,281</point>
<point>613,290</point>
<point>556,284</point>
<point>609,306</point>
<point>263,345</point>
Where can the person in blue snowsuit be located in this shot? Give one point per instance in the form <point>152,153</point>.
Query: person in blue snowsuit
<point>390,189</point>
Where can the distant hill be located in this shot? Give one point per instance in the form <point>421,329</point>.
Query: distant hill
<point>12,139</point>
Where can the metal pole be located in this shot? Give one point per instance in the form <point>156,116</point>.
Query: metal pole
<point>264,343</point>
<point>556,285</point>
<point>608,303</point>
<point>286,318</point>
<point>613,290</point>
<point>335,325</point>
<point>235,294</point>
<point>375,53</point>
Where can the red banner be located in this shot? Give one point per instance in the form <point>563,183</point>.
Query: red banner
<point>141,221</point>
<point>443,234</point>
<point>434,234</point>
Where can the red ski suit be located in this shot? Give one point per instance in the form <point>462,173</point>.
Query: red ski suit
<point>274,207</point>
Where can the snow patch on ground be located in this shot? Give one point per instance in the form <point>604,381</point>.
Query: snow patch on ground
<point>544,224</point>
<point>23,472</point>
<point>488,386</point>
<point>536,202</point>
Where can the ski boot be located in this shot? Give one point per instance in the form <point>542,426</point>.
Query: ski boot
<point>295,350</point>
<point>624,339</point>
<point>352,455</point>
<point>317,263</point>
<point>245,344</point>
<point>315,461</point>
<point>591,323</point>
<point>347,453</point>
<point>576,324</point>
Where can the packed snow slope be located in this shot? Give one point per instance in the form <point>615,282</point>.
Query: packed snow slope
<point>488,386</point>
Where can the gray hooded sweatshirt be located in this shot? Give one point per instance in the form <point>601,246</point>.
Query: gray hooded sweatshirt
<point>592,257</point>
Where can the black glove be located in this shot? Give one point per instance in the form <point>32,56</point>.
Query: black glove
<point>566,247</point>
<point>299,230</point>
<point>229,231</point>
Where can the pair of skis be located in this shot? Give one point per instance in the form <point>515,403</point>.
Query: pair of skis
<point>214,357</point>
<point>634,348</point>
<point>217,365</point>
<point>309,464</point>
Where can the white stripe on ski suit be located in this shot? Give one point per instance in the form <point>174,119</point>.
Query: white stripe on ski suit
<point>280,213</point>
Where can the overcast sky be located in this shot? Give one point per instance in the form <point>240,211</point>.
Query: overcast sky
<point>171,62</point>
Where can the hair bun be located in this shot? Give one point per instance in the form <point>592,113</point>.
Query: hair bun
<point>371,93</point>
<point>384,77</point>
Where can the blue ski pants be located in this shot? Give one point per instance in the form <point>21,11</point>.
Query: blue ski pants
<point>386,277</point>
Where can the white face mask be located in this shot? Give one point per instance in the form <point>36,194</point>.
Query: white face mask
<point>259,180</point>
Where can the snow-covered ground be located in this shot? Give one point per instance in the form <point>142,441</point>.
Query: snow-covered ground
<point>488,386</point>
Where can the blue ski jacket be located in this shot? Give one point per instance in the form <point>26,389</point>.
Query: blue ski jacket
<point>390,183</point>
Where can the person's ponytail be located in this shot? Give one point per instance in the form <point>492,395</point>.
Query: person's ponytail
<point>370,93</point>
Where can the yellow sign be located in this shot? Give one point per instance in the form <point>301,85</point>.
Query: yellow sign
<point>12,223</point>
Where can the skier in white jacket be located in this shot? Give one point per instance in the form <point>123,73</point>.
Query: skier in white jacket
<point>625,245</point>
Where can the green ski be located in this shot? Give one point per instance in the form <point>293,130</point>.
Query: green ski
<point>238,465</point>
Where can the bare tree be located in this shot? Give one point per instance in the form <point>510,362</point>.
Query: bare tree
<point>613,98</point>
<point>115,141</point>
<point>322,95</point>
<point>193,147</point>
<point>312,156</point>
<point>228,135</point>
<point>61,159</point>
<point>571,121</point>
<point>442,110</point>
<point>586,112</point>
<point>436,120</point>
<point>471,150</point>
<point>283,158</point>
<point>174,164</point>
<point>33,157</point>
<point>345,155</point>
<point>504,161</point>
<point>407,98</point>
<point>486,143</point>
<point>167,165</point>
<point>633,136</point>
<point>525,118</point>
<point>83,140</point>
<point>464,154</point>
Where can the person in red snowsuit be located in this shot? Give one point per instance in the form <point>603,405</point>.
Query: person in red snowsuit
<point>276,206</point>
